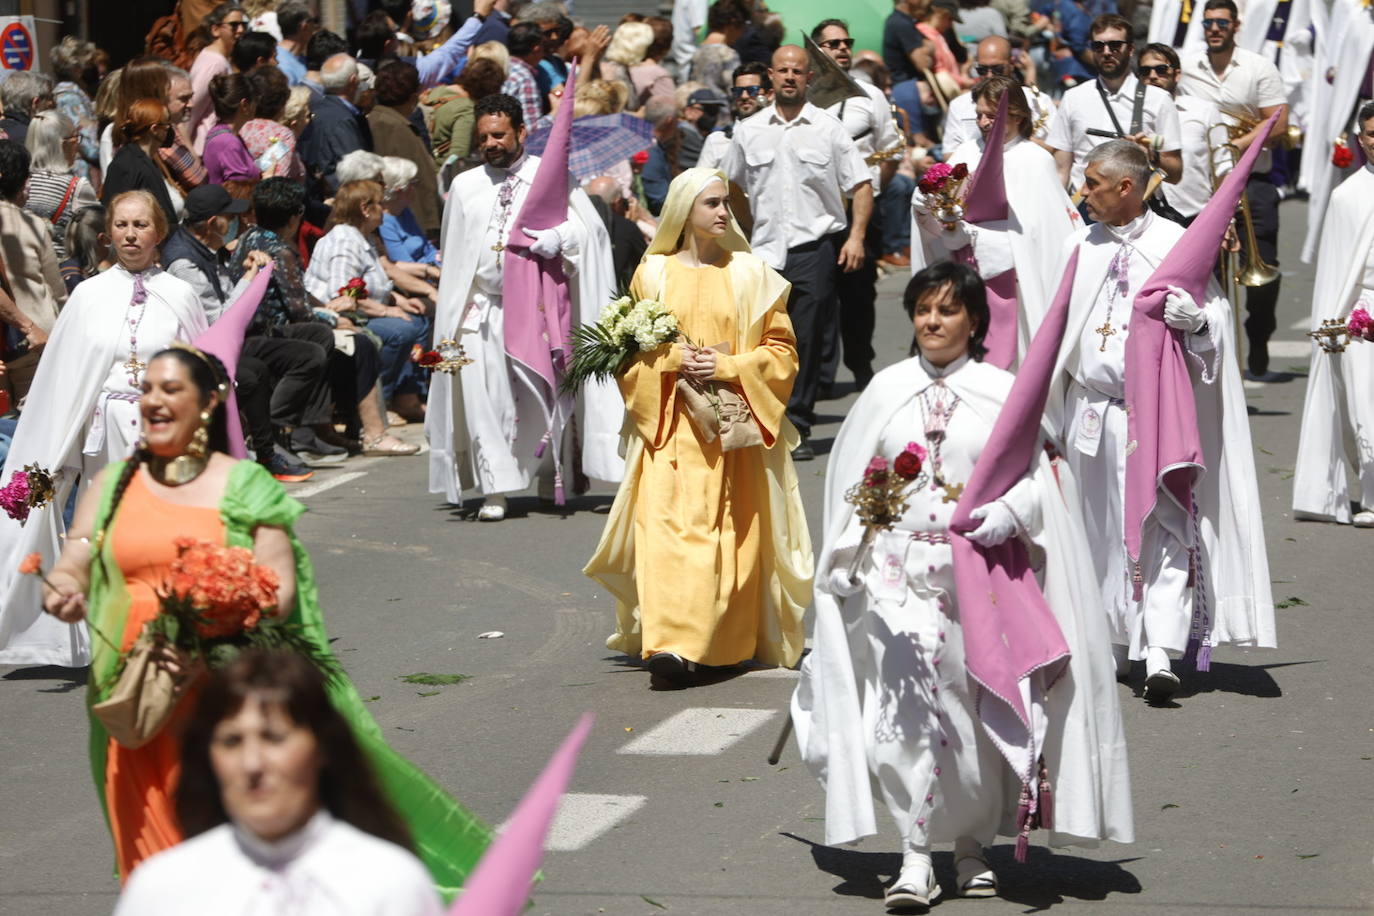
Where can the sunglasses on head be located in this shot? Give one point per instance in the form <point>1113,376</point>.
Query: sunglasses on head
<point>834,44</point>
<point>741,91</point>
<point>1112,46</point>
<point>990,69</point>
<point>1156,69</point>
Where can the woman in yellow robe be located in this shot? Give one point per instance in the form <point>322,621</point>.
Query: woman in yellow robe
<point>707,552</point>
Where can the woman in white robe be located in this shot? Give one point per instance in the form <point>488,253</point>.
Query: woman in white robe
<point>82,412</point>
<point>885,706</point>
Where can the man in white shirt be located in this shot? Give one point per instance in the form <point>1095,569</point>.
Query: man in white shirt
<point>1244,85</point>
<point>995,57</point>
<point>869,122</point>
<point>1205,157</point>
<point>751,90</point>
<point>1114,105</point>
<point>797,164</point>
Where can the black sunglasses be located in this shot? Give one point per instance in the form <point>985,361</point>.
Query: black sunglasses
<point>1112,46</point>
<point>1222,24</point>
<point>990,69</point>
<point>1156,69</point>
<point>834,44</point>
<point>741,91</point>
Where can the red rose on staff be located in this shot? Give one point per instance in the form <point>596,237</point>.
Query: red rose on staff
<point>960,172</point>
<point>354,289</point>
<point>908,463</point>
<point>429,358</point>
<point>1342,156</point>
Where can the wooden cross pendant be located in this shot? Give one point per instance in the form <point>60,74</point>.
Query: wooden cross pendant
<point>1106,331</point>
<point>135,367</point>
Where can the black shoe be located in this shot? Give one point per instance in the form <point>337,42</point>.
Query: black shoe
<point>861,379</point>
<point>671,667</point>
<point>804,451</point>
<point>305,443</point>
<point>284,466</point>
<point>825,393</point>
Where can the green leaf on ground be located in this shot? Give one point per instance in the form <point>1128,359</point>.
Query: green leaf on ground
<point>434,680</point>
<point>372,699</point>
<point>1264,450</point>
<point>427,693</point>
<point>1310,855</point>
<point>1166,807</point>
<point>1291,601</point>
<point>652,902</point>
<point>719,805</point>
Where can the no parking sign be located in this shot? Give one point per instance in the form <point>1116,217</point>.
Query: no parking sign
<point>18,49</point>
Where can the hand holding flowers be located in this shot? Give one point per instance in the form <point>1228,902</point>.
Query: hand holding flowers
<point>626,327</point>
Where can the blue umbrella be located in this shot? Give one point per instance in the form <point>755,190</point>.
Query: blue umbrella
<point>598,142</point>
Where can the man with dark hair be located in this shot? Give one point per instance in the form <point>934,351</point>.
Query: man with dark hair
<point>481,435</point>
<point>398,96</point>
<point>298,24</point>
<point>253,50</point>
<point>1116,104</point>
<point>323,45</point>
<point>1245,85</point>
<point>751,90</point>
<point>1204,132</point>
<point>377,40</point>
<point>906,55</point>
<point>526,45</point>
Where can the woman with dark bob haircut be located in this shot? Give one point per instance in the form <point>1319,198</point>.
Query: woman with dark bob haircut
<point>889,649</point>
<point>277,801</point>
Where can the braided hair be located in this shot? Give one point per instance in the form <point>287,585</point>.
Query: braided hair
<point>208,375</point>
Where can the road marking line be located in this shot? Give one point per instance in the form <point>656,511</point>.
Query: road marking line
<point>701,731</point>
<point>315,489</point>
<point>582,818</point>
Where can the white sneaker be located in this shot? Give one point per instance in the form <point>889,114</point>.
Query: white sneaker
<point>1363,519</point>
<point>493,510</point>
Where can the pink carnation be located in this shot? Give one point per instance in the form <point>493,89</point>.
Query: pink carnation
<point>939,171</point>
<point>14,498</point>
<point>1359,325</point>
<point>877,465</point>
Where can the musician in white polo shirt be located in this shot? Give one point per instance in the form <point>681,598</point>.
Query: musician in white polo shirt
<point>797,164</point>
<point>1204,133</point>
<point>1116,104</point>
<point>1245,85</point>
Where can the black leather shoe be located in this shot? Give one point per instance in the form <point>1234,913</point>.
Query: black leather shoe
<point>804,451</point>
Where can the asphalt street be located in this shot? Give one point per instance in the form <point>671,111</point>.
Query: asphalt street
<point>1252,793</point>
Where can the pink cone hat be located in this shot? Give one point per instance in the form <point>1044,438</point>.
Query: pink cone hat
<point>224,339</point>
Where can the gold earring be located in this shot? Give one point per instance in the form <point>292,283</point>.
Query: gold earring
<point>200,442</point>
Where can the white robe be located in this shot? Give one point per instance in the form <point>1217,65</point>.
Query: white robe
<point>1234,562</point>
<point>483,426</point>
<point>885,683</point>
<point>327,868</point>
<point>1031,240</point>
<point>1338,413</point>
<point>71,424</point>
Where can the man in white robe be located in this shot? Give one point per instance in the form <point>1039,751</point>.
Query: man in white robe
<point>1338,414</point>
<point>1114,259</point>
<point>484,426</point>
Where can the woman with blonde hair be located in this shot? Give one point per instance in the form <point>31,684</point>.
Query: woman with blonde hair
<point>706,549</point>
<point>628,44</point>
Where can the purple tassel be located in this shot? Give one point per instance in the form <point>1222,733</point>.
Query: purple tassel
<point>1204,657</point>
<point>1045,804</point>
<point>1022,847</point>
<point>559,497</point>
<point>1138,582</point>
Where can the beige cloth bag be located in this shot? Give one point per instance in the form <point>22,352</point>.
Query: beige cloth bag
<point>142,700</point>
<point>719,411</point>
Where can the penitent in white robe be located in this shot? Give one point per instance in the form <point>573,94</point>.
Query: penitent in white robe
<point>81,413</point>
<point>1086,409</point>
<point>885,706</point>
<point>1338,413</point>
<point>484,426</point>
<point>1031,240</point>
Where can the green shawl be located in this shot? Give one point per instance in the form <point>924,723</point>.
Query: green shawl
<point>448,839</point>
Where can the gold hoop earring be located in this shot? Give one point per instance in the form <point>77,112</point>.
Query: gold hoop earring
<point>200,442</point>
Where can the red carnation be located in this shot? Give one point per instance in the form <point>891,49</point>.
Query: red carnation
<point>354,289</point>
<point>960,172</point>
<point>1342,156</point>
<point>429,358</point>
<point>928,186</point>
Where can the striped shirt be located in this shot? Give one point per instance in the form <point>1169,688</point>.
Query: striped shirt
<point>46,192</point>
<point>345,253</point>
<point>524,88</point>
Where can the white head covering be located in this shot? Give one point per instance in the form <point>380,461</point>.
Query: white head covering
<point>677,209</point>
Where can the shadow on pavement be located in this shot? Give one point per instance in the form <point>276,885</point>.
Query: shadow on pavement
<point>1046,879</point>
<point>72,678</point>
<point>1246,680</point>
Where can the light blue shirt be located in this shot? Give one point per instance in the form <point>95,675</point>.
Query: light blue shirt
<point>291,66</point>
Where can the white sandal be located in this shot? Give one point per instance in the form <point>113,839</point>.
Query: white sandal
<point>910,893</point>
<point>976,879</point>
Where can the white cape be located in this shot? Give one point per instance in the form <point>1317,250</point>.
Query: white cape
<point>1321,484</point>
<point>1085,749</point>
<point>1227,495</point>
<point>1041,218</point>
<point>600,411</point>
<point>52,431</point>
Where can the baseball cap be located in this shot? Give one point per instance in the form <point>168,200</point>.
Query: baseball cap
<point>209,200</point>
<point>707,97</point>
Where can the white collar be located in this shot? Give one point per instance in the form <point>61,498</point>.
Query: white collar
<point>805,116</point>
<point>1132,230</point>
<point>1127,87</point>
<point>943,371</point>
<point>277,853</point>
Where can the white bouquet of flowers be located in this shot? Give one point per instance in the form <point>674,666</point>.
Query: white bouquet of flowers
<point>626,327</point>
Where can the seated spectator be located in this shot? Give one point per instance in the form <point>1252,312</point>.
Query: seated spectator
<point>628,45</point>
<point>270,142</point>
<point>178,157</point>
<point>323,45</point>
<point>649,76</point>
<point>137,165</point>
<point>398,96</point>
<point>253,50</point>
<point>26,250</point>
<point>346,253</point>
<point>296,115</point>
<point>715,58</point>
<point>405,241</point>
<point>277,798</point>
<point>337,127</point>
<point>453,117</point>
<point>88,249</point>
<point>56,192</point>
<point>526,45</point>
<point>227,159</point>
<point>298,25</point>
<point>25,94</point>
<point>194,251</point>
<point>289,312</point>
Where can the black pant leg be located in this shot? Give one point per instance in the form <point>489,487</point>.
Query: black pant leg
<point>1261,302</point>
<point>811,306</point>
<point>253,391</point>
<point>315,394</point>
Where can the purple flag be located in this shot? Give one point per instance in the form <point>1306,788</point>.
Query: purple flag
<point>500,885</point>
<point>224,339</point>
<point>1164,448</point>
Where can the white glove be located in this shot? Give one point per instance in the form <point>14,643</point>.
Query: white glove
<point>1181,311</point>
<point>840,585</point>
<point>999,524</point>
<point>548,243</point>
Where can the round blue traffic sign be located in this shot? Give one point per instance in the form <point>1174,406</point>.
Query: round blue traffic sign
<point>16,47</point>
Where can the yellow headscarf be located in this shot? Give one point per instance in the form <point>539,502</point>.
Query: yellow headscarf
<point>682,194</point>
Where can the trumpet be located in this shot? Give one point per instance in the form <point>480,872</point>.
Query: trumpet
<point>1255,272</point>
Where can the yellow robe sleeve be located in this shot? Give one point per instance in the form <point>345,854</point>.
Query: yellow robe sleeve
<point>648,385</point>
<point>765,374</point>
